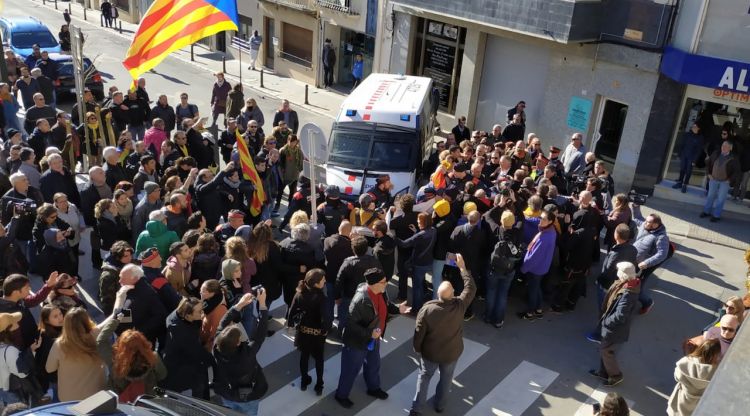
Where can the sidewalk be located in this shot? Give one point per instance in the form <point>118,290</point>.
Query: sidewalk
<point>321,101</point>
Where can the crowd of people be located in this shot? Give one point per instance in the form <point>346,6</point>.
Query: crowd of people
<point>187,244</point>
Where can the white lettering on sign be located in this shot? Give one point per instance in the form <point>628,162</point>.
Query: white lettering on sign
<point>727,80</point>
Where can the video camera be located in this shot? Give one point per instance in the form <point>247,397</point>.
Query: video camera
<point>577,184</point>
<point>23,206</point>
<point>636,198</point>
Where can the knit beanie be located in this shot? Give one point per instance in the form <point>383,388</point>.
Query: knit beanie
<point>227,268</point>
<point>442,208</point>
<point>507,219</point>
<point>374,275</point>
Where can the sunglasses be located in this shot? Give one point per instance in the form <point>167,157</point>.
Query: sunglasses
<point>253,127</point>
<point>272,142</point>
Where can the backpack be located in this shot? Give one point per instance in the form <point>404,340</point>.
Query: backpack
<point>135,389</point>
<point>14,261</point>
<point>505,256</point>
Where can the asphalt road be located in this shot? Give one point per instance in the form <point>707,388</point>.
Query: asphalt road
<point>537,368</point>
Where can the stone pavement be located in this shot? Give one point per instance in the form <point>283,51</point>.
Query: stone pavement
<point>325,102</point>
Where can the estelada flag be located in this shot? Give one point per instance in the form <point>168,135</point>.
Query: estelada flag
<point>249,173</point>
<point>169,25</point>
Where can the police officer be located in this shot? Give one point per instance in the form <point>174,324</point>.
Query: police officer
<point>333,210</point>
<point>381,192</point>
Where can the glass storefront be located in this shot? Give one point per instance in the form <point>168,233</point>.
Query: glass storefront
<point>350,45</point>
<point>712,110</point>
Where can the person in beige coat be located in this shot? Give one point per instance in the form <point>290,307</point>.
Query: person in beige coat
<point>80,354</point>
<point>693,373</point>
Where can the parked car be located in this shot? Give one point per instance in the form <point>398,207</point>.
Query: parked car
<point>167,403</point>
<point>65,83</point>
<point>21,33</point>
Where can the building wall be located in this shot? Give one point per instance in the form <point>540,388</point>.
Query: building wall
<point>688,19</point>
<point>400,51</point>
<point>726,30</point>
<point>282,66</point>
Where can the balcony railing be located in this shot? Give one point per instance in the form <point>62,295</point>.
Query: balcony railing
<point>304,5</point>
<point>343,6</point>
<point>296,59</point>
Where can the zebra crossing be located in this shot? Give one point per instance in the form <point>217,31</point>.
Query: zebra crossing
<point>513,393</point>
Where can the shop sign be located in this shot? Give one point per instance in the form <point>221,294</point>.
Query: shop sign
<point>579,112</point>
<point>438,65</point>
<point>706,71</point>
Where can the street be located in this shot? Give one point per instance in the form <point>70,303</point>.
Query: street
<point>524,368</point>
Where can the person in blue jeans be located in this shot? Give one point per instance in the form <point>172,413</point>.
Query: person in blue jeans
<point>358,67</point>
<point>652,245</point>
<point>536,264</point>
<point>692,145</point>
<point>723,172</point>
<point>503,261</point>
<point>421,244</point>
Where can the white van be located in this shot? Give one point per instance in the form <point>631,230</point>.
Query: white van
<point>385,126</point>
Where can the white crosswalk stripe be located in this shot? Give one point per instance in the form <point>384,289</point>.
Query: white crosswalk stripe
<point>401,395</point>
<point>516,392</point>
<point>289,400</point>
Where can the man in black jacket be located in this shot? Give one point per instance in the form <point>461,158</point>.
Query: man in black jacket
<point>95,190</point>
<point>366,327</point>
<point>623,250</point>
<point>138,114</point>
<point>336,248</point>
<point>238,377</point>
<point>403,227</point>
<point>469,240</point>
<point>119,112</point>
<point>21,201</point>
<point>147,311</point>
<point>351,274</point>
<point>58,179</point>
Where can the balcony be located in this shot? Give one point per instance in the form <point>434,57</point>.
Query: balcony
<point>308,6</point>
<point>343,6</point>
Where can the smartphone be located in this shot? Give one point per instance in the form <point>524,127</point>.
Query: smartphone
<point>127,316</point>
<point>450,259</point>
<point>597,408</point>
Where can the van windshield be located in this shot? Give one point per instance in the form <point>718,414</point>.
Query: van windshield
<point>388,149</point>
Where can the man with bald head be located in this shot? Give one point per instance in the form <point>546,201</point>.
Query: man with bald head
<point>725,332</point>
<point>438,338</point>
<point>94,191</point>
<point>336,248</point>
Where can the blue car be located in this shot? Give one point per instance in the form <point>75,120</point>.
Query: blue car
<point>20,33</point>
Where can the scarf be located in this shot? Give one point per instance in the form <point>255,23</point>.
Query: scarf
<point>617,288</point>
<point>151,176</point>
<point>231,184</point>
<point>108,215</point>
<point>124,156</point>
<point>94,138</point>
<point>211,303</point>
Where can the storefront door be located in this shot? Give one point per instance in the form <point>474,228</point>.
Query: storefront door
<point>351,43</point>
<point>441,47</point>
<point>611,121</point>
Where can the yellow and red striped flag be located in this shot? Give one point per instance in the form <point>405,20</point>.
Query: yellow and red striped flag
<point>169,25</point>
<point>249,173</point>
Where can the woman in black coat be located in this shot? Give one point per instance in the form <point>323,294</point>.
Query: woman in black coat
<point>267,256</point>
<point>110,226</point>
<point>186,360</point>
<point>206,261</point>
<point>309,317</point>
<point>297,257</point>
<point>58,256</point>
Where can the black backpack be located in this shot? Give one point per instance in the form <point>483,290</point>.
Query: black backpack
<point>505,256</point>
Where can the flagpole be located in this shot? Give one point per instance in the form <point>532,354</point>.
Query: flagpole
<point>313,189</point>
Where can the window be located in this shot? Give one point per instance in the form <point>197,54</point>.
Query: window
<point>296,44</point>
<point>27,39</point>
<point>385,149</point>
<point>246,28</point>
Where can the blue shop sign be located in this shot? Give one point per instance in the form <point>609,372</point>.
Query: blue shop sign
<point>706,71</point>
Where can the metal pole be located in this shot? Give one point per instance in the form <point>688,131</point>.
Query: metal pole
<point>307,87</point>
<point>55,4</point>
<point>239,52</point>
<point>84,10</point>
<point>311,163</point>
<point>192,57</point>
<point>44,2</point>
<point>76,51</point>
<point>119,22</point>
<point>261,78</point>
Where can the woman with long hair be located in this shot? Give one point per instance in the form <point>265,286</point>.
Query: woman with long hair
<point>81,371</point>
<point>620,214</point>
<point>52,238</point>
<point>206,260</point>
<point>50,328</point>
<point>734,306</point>
<point>692,374</point>
<point>124,207</point>
<point>309,317</point>
<point>267,256</point>
<point>110,225</point>
<point>136,368</point>
<point>236,249</point>
<point>63,294</point>
<point>214,308</point>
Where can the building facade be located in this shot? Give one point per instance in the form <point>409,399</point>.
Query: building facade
<point>294,32</point>
<point>580,66</point>
<point>707,62</point>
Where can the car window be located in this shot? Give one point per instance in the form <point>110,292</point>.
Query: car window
<point>27,39</point>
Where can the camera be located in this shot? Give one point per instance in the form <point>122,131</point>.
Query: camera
<point>255,289</point>
<point>23,206</point>
<point>636,198</point>
<point>577,184</point>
